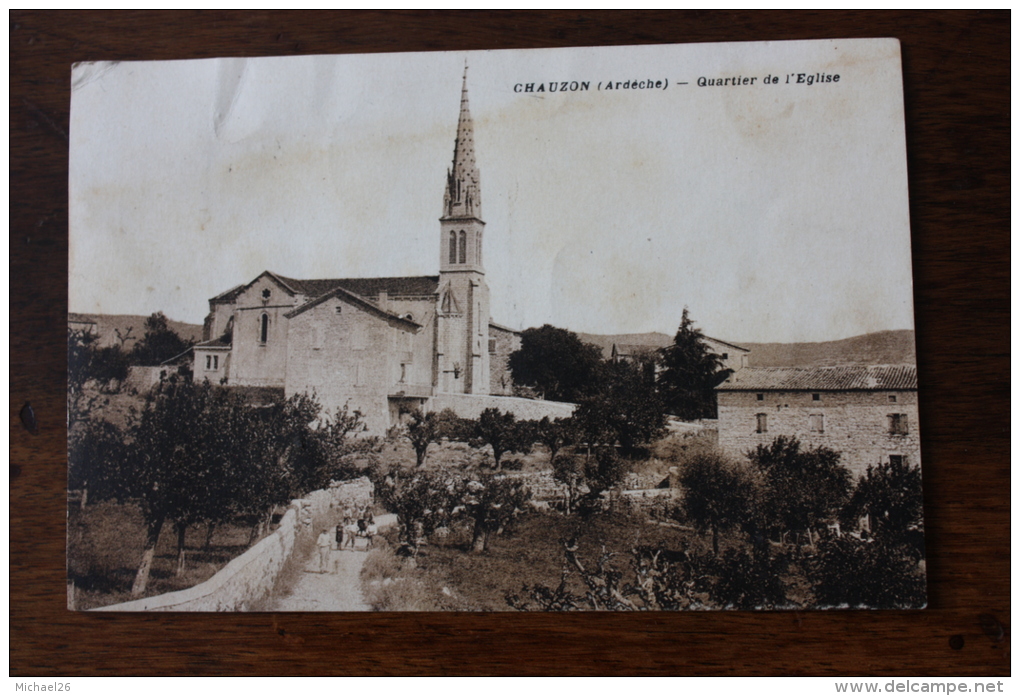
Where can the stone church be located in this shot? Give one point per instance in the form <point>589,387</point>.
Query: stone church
<point>379,346</point>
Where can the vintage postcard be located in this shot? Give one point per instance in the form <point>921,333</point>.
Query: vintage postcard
<point>623,328</point>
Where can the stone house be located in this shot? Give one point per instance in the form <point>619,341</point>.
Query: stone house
<point>867,413</point>
<point>379,346</point>
<point>733,357</point>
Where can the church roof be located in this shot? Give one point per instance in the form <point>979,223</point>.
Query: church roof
<point>838,378</point>
<point>345,294</point>
<point>365,287</point>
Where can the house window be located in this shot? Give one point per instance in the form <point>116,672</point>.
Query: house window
<point>816,423</point>
<point>896,459</point>
<point>264,328</point>
<point>453,247</point>
<point>463,246</point>
<point>892,398</point>
<point>725,356</point>
<point>208,362</point>
<point>215,362</point>
<point>403,372</point>
<point>816,397</point>
<point>763,423</point>
<point>339,309</point>
<point>492,345</point>
<point>760,397</point>
<point>897,423</point>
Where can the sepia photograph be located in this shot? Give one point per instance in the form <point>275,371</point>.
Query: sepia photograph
<point>669,366</point>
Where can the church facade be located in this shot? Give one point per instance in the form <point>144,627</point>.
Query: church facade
<point>379,346</point>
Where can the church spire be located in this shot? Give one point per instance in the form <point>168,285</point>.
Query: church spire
<point>463,197</point>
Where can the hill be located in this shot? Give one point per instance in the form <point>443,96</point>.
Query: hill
<point>132,326</point>
<point>879,348</point>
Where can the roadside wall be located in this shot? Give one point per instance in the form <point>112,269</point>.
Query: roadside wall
<point>252,575</point>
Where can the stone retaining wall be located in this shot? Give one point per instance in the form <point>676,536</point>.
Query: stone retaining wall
<point>472,405</point>
<point>252,575</point>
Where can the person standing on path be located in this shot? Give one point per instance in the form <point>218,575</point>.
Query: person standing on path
<point>324,542</point>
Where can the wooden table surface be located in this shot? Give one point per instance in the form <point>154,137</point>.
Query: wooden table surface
<point>956,73</point>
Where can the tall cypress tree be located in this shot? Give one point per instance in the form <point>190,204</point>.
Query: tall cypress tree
<point>690,374</point>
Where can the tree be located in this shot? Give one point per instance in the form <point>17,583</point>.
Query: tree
<point>554,434</point>
<point>638,415</point>
<point>625,409</point>
<point>95,457</point>
<point>504,433</point>
<point>718,494</point>
<point>424,501</point>
<point>884,568</point>
<point>690,373</point>
<point>800,488</point>
<point>422,430</point>
<point>201,453</point>
<point>556,363</point>
<point>159,344</point>
<point>177,467</point>
<point>492,502</point>
<point>890,496</point>
<point>91,371</point>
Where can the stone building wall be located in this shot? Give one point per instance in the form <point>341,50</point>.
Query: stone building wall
<point>353,357</point>
<point>256,363</point>
<point>501,344</point>
<point>857,424</point>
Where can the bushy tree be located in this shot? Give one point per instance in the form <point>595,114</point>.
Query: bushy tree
<point>718,495</point>
<point>625,410</point>
<point>867,574</point>
<point>424,501</point>
<point>554,434</point>
<point>883,568</point>
<point>556,363</point>
<point>454,428</point>
<point>422,430</point>
<point>891,498</point>
<point>491,502</point>
<point>103,369</point>
<point>504,433</point>
<point>800,488</point>
<point>690,373</point>
<point>95,460</point>
<point>201,453</point>
<point>159,344</point>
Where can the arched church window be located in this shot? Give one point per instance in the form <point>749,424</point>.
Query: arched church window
<point>453,247</point>
<point>478,248</point>
<point>463,246</point>
<point>263,328</point>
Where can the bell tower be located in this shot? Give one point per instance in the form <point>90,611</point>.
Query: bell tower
<point>463,312</point>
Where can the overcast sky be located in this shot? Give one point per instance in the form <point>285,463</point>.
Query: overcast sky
<point>774,212</point>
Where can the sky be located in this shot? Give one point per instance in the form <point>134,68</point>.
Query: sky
<point>774,212</point>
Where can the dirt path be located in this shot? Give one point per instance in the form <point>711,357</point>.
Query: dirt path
<point>338,589</point>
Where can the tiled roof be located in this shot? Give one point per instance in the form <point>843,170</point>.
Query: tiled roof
<point>494,325</point>
<point>366,287</point>
<point>626,349</point>
<point>838,378</point>
<point>342,292</point>
<point>727,343</point>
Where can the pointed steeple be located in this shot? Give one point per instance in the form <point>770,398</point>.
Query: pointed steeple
<point>463,197</point>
